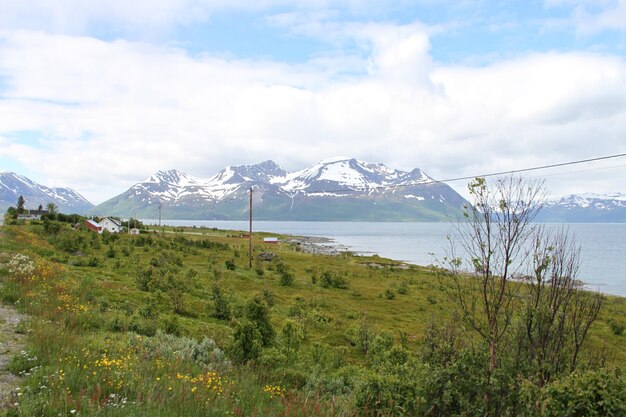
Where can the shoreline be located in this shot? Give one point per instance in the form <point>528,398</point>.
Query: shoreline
<point>317,245</point>
<point>415,244</point>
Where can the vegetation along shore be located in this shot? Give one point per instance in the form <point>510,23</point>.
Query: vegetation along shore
<point>172,321</point>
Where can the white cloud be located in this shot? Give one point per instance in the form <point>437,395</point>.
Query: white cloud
<point>593,16</point>
<point>147,17</point>
<point>112,113</point>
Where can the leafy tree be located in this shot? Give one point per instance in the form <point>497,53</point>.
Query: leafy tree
<point>500,244</point>
<point>558,311</point>
<point>257,312</point>
<point>11,213</point>
<point>52,208</point>
<point>221,305</point>
<point>493,236</point>
<point>247,341</point>
<point>291,336</point>
<point>177,286</point>
<point>20,205</point>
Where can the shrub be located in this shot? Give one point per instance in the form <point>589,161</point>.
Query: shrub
<point>286,279</point>
<point>616,328</point>
<point>386,395</point>
<point>221,304</point>
<point>268,296</point>
<point>247,342</point>
<point>590,393</point>
<point>328,280</point>
<point>389,294</point>
<point>361,335</point>
<point>230,264</point>
<point>171,325</point>
<point>291,336</point>
<point>204,353</point>
<point>258,313</point>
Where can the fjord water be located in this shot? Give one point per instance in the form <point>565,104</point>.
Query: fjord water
<point>603,246</point>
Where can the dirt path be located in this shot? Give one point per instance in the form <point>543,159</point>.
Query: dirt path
<point>10,343</point>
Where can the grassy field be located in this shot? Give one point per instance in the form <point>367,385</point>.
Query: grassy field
<point>147,325</point>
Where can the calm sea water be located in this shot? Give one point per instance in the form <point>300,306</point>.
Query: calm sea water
<point>603,246</point>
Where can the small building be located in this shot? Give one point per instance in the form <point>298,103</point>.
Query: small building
<point>270,240</point>
<point>111,225</point>
<point>93,225</point>
<point>32,214</point>
<point>134,231</point>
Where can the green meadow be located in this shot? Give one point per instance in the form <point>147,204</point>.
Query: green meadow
<point>173,322</point>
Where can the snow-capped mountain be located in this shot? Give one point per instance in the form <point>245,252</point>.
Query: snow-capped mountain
<point>12,186</point>
<point>586,208</point>
<point>334,189</point>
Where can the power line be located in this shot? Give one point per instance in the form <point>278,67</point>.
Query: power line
<point>515,171</point>
<point>493,174</point>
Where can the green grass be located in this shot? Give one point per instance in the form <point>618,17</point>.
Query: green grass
<point>85,317</point>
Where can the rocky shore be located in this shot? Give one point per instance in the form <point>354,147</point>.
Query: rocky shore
<point>317,245</point>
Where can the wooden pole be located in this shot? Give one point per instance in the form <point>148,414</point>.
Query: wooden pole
<point>250,237</point>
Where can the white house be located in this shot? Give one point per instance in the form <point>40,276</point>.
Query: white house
<point>111,225</point>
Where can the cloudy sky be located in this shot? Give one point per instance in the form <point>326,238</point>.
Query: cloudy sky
<point>98,95</point>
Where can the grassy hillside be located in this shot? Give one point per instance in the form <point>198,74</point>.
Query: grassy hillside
<point>175,323</point>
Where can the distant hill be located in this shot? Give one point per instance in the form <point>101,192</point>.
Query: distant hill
<point>12,186</point>
<point>586,208</point>
<point>336,189</point>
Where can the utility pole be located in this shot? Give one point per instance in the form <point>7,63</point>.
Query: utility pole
<point>159,214</point>
<point>250,236</point>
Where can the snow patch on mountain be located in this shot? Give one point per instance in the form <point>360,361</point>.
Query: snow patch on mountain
<point>13,185</point>
<point>608,201</point>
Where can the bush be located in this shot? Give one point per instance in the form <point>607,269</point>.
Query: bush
<point>171,325</point>
<point>328,280</point>
<point>230,264</point>
<point>291,336</point>
<point>386,395</point>
<point>286,279</point>
<point>247,342</point>
<point>616,328</point>
<point>204,353</point>
<point>221,304</point>
<point>257,312</point>
<point>590,393</point>
<point>268,296</point>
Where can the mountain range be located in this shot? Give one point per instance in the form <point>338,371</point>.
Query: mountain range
<point>586,208</point>
<point>336,189</point>
<point>13,185</point>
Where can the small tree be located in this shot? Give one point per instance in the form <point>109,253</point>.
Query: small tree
<point>221,305</point>
<point>501,247</point>
<point>247,341</point>
<point>52,208</point>
<point>20,205</point>
<point>258,313</point>
<point>492,238</point>
<point>558,311</point>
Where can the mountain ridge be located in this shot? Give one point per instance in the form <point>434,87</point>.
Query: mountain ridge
<point>339,188</point>
<point>585,207</point>
<point>13,185</point>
